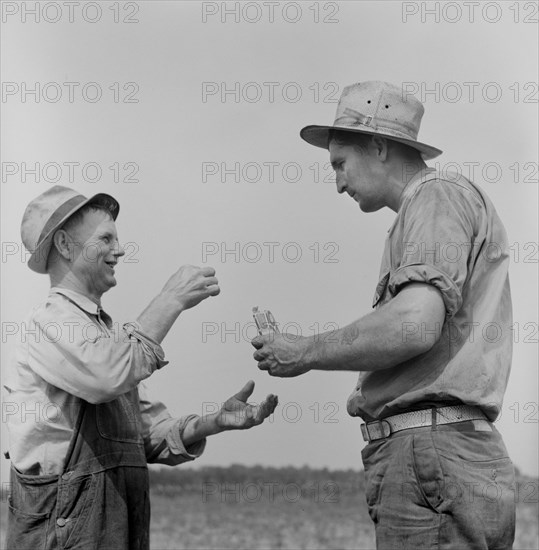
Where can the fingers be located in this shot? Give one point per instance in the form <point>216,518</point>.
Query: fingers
<point>213,290</point>
<point>269,404</point>
<point>209,281</point>
<point>266,408</point>
<point>192,284</point>
<point>259,355</point>
<point>207,271</point>
<point>264,365</point>
<point>261,340</point>
<point>245,392</point>
<point>262,355</point>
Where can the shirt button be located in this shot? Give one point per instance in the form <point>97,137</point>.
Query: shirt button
<point>61,522</point>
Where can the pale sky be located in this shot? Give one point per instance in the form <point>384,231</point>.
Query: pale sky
<point>205,112</point>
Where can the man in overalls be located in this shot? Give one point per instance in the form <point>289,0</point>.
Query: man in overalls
<point>79,476</point>
<point>434,357</point>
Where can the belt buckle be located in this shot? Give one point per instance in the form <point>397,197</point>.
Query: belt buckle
<point>378,429</point>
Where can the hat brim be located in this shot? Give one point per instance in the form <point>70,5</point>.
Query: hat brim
<point>38,260</point>
<point>319,136</point>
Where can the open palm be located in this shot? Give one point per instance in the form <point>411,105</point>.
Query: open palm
<point>237,414</point>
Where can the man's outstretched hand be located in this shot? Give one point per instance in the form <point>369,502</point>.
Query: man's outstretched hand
<point>237,414</point>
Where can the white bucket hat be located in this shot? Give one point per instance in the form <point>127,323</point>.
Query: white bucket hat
<point>376,108</point>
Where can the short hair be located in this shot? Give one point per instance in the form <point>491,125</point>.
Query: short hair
<point>360,141</point>
<point>352,139</point>
<point>104,205</point>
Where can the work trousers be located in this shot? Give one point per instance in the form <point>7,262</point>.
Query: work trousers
<point>441,487</point>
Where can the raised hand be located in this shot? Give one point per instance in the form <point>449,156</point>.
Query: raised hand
<point>191,284</point>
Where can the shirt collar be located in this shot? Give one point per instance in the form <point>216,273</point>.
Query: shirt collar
<point>78,299</point>
<point>409,189</point>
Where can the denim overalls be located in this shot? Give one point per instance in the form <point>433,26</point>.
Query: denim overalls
<point>101,499</point>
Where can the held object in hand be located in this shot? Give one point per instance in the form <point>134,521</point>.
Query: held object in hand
<point>265,322</point>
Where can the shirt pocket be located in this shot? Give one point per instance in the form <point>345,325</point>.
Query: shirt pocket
<point>380,289</point>
<point>120,420</point>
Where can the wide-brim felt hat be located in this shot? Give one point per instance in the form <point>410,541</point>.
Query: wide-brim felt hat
<point>375,108</point>
<point>48,212</point>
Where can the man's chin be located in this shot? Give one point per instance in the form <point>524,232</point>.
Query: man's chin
<point>111,282</point>
<point>368,208</point>
<point>364,207</point>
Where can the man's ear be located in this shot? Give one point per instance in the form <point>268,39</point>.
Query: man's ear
<point>63,244</point>
<point>379,147</point>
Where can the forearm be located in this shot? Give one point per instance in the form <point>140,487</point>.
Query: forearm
<point>199,428</point>
<point>159,316</point>
<point>383,338</point>
<point>373,342</point>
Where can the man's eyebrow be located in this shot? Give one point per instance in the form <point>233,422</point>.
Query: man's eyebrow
<point>102,234</point>
<point>335,160</point>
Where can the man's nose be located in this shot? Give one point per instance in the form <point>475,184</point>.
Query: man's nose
<point>118,250</point>
<point>341,186</point>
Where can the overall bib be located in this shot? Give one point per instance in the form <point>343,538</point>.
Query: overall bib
<point>101,499</point>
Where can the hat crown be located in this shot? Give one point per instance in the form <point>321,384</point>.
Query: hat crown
<point>380,106</point>
<point>40,210</point>
<point>375,108</point>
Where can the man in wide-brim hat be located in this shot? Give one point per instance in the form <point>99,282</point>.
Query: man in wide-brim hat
<point>79,476</point>
<point>431,375</point>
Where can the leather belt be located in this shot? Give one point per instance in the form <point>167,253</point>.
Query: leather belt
<point>380,429</point>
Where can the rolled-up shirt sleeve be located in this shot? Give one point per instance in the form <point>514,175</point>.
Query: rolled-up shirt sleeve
<point>162,433</point>
<point>438,241</point>
<point>73,351</point>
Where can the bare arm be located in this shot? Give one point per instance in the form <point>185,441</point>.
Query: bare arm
<point>379,340</point>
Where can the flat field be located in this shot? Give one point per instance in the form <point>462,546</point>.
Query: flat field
<point>239,508</point>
